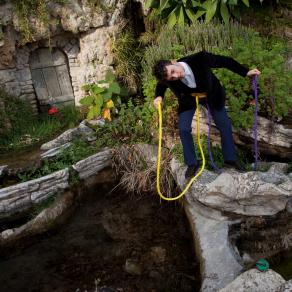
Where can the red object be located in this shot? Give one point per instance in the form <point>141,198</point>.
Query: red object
<point>53,110</point>
<point>252,102</point>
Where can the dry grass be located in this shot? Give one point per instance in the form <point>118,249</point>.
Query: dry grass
<point>138,173</point>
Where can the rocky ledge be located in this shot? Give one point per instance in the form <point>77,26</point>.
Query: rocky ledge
<point>215,202</point>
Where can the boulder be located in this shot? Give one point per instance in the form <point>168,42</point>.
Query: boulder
<point>254,280</point>
<point>285,287</point>
<point>82,131</point>
<point>252,193</point>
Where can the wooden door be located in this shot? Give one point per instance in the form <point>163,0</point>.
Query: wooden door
<point>50,77</point>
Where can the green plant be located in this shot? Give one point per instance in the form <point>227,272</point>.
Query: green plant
<point>224,7</point>
<point>128,54</point>
<point>20,128</point>
<point>102,97</point>
<point>275,96</point>
<point>131,125</point>
<point>244,45</point>
<point>175,11</point>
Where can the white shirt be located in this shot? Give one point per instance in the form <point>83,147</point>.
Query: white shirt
<point>189,79</point>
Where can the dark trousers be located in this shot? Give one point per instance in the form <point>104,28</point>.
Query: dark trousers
<point>223,124</point>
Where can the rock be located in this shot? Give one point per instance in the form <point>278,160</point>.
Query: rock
<point>93,164</point>
<point>250,193</point>
<point>220,263</point>
<point>133,267</point>
<point>43,221</point>
<point>277,167</point>
<point>107,289</point>
<point>22,196</point>
<point>64,138</point>
<point>289,206</point>
<point>3,169</point>
<point>55,151</point>
<point>158,254</point>
<point>97,122</point>
<point>82,131</point>
<point>247,259</point>
<point>82,32</point>
<point>255,281</point>
<point>285,287</point>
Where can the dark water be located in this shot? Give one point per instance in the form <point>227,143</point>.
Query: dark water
<point>90,250</point>
<point>282,264</point>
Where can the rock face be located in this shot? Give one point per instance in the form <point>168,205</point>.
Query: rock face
<point>250,193</point>
<point>80,33</point>
<point>244,194</point>
<point>220,263</point>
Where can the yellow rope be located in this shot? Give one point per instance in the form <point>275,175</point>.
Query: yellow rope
<point>159,155</point>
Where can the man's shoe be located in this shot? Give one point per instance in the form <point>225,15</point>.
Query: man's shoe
<point>229,164</point>
<point>192,171</point>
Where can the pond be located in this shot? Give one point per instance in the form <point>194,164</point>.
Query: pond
<point>282,264</point>
<point>121,241</point>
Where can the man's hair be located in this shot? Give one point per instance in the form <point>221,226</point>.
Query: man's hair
<point>159,69</point>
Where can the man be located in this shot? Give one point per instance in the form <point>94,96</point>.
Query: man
<point>193,74</point>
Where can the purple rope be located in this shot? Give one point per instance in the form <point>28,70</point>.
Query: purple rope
<point>215,167</point>
<point>255,133</point>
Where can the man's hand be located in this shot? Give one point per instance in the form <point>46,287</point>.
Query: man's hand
<point>157,100</point>
<point>253,72</point>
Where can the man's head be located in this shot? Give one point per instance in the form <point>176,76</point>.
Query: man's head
<point>168,70</point>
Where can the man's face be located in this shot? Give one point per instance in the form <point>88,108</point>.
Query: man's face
<point>174,72</point>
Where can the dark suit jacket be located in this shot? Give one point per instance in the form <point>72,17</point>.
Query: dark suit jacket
<point>201,65</point>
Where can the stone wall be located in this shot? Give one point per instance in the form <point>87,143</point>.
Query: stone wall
<point>82,32</point>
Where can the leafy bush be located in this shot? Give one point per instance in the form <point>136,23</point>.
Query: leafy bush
<point>101,99</point>
<point>244,45</point>
<point>174,11</point>
<point>189,11</point>
<point>275,95</point>
<point>131,125</point>
<point>224,7</point>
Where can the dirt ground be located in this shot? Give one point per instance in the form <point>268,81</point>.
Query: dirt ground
<point>115,240</point>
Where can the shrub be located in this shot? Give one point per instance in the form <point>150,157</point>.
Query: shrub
<point>102,97</point>
<point>243,44</point>
<point>127,54</point>
<point>131,125</point>
<point>275,98</point>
